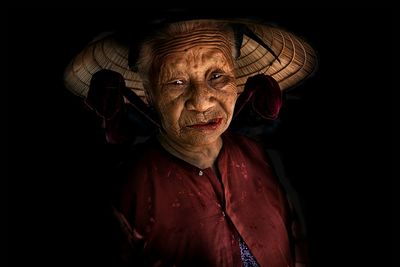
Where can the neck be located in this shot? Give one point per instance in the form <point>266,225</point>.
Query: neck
<point>203,156</point>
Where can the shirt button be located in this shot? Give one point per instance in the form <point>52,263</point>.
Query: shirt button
<point>201,173</point>
<point>223,213</point>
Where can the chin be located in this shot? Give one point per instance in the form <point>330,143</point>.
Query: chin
<point>203,139</point>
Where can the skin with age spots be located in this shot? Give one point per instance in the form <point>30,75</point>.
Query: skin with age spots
<point>194,94</point>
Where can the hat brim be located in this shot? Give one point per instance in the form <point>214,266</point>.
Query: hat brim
<point>296,60</point>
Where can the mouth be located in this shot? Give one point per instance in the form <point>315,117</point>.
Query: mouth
<point>209,125</point>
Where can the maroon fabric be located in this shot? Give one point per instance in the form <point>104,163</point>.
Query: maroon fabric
<point>105,93</point>
<point>105,97</point>
<point>183,218</point>
<point>262,92</point>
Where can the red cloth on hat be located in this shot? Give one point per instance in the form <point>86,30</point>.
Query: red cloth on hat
<point>105,97</point>
<point>263,94</point>
<point>121,122</point>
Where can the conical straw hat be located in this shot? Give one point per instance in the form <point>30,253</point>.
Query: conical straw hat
<point>289,60</point>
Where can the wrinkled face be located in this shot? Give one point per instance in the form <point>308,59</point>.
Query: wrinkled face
<point>195,92</point>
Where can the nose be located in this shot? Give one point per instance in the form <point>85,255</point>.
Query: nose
<point>200,98</point>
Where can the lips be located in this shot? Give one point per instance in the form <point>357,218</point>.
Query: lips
<point>209,125</point>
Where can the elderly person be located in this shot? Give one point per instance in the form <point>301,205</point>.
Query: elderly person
<point>196,194</point>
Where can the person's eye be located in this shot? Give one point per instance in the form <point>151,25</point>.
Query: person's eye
<point>219,79</point>
<point>215,76</point>
<point>177,82</point>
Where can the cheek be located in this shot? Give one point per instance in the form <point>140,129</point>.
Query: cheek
<point>169,112</point>
<point>228,101</point>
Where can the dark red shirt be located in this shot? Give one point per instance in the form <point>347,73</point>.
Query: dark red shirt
<point>183,216</point>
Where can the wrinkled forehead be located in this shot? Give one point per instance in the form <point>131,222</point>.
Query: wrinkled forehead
<point>197,54</point>
<point>200,37</point>
<point>207,40</point>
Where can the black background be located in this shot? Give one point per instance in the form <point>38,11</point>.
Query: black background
<point>336,140</point>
